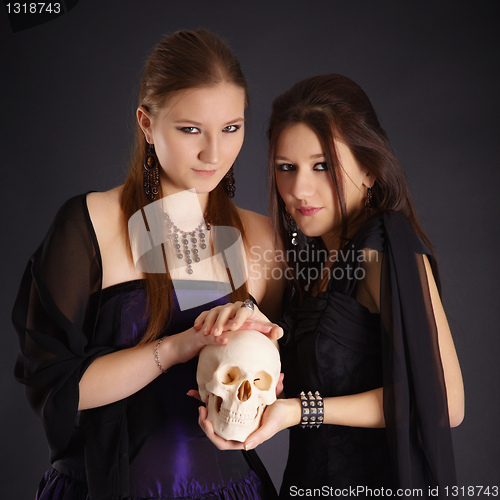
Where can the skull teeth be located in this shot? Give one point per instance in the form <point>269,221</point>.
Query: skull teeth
<point>236,417</point>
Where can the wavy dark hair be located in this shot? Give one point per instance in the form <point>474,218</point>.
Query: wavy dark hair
<point>335,107</point>
<point>181,61</point>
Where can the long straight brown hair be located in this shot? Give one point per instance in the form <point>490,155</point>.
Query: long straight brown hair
<point>334,106</point>
<point>184,60</point>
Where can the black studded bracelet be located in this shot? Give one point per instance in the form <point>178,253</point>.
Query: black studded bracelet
<point>312,410</point>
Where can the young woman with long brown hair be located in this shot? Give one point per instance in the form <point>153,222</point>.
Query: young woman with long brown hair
<point>99,322</point>
<point>371,373</point>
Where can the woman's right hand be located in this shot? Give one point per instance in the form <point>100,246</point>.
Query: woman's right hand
<point>234,316</point>
<point>186,345</point>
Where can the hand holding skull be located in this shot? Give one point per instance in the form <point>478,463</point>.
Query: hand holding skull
<point>233,316</point>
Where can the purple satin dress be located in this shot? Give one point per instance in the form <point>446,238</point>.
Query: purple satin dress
<point>177,460</point>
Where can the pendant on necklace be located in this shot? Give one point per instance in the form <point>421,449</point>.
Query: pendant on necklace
<point>182,241</point>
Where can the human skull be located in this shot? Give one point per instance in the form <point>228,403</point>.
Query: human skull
<point>239,379</point>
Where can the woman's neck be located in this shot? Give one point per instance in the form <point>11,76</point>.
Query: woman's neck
<point>334,241</point>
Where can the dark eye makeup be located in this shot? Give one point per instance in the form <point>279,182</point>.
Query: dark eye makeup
<point>287,167</point>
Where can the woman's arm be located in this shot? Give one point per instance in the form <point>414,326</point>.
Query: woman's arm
<point>364,409</point>
<point>369,295</point>
<point>357,410</point>
<point>115,376</point>
<point>449,359</point>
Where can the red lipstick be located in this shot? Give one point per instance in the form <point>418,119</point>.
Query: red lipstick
<point>307,211</point>
<point>204,173</point>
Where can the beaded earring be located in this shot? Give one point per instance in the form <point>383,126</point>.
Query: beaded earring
<point>368,202</point>
<point>151,174</point>
<point>293,229</point>
<point>229,186</point>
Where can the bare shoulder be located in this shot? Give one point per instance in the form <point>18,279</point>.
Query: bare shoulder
<point>104,209</point>
<point>266,278</point>
<point>258,229</point>
<point>107,218</point>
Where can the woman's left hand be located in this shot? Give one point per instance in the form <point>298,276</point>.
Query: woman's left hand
<point>283,413</point>
<point>234,316</point>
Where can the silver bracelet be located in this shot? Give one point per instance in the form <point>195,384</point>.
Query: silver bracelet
<point>312,410</point>
<point>157,356</point>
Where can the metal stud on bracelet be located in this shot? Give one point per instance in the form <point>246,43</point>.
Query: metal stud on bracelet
<point>157,356</point>
<point>312,410</point>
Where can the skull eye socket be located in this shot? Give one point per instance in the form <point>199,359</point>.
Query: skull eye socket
<point>231,375</point>
<point>263,381</point>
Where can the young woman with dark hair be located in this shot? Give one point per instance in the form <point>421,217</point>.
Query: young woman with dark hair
<point>99,322</point>
<point>372,379</point>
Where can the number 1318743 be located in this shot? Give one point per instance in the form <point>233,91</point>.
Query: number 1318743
<point>471,491</point>
<point>34,8</point>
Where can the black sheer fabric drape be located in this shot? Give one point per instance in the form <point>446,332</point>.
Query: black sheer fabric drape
<point>415,401</point>
<point>54,317</point>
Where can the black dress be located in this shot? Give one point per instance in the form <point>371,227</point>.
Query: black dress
<point>148,445</point>
<point>334,345</point>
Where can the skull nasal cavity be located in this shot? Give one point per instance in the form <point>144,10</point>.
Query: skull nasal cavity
<point>244,391</point>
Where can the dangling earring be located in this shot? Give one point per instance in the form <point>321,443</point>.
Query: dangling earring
<point>229,186</point>
<point>292,227</point>
<point>151,177</point>
<point>368,202</point>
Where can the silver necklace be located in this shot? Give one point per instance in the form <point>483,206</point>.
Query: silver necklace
<point>182,241</point>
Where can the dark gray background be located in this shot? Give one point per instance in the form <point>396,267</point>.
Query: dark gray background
<point>431,69</point>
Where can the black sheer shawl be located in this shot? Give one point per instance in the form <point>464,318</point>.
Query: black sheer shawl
<point>414,397</point>
<point>56,319</point>
<point>415,400</point>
